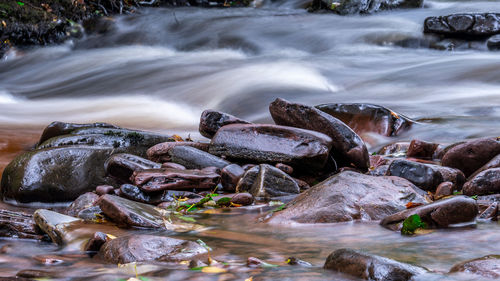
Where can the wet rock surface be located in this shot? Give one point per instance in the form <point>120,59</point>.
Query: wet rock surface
<point>487,266</point>
<point>129,213</point>
<point>160,152</point>
<point>211,121</point>
<point>193,158</point>
<point>230,175</point>
<point>350,7</point>
<point>485,183</point>
<point>493,43</point>
<point>121,166</point>
<point>81,203</point>
<point>266,181</point>
<point>370,267</point>
<point>18,224</point>
<point>350,196</point>
<point>171,179</point>
<point>57,128</point>
<point>54,224</point>
<point>473,25</point>
<point>422,149</point>
<point>493,163</point>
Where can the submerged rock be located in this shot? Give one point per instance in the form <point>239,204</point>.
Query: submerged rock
<point>370,267</point>
<point>121,166</point>
<point>470,25</point>
<point>81,203</point>
<point>487,266</point>
<point>350,196</point>
<point>160,152</point>
<point>349,7</point>
<point>211,121</point>
<point>54,224</point>
<point>193,158</point>
<point>171,179</point>
<point>266,181</point>
<point>485,183</point>
<point>129,213</point>
<point>18,225</point>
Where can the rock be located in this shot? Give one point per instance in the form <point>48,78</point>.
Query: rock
<point>397,149</point>
<point>84,201</point>
<point>266,181</point>
<point>348,148</point>
<point>134,193</point>
<point>368,118</point>
<point>421,149</point>
<point>95,243</point>
<point>193,158</point>
<point>230,175</point>
<point>129,213</point>
<point>490,213</point>
<point>247,167</point>
<point>487,266</point>
<point>121,166</point>
<point>104,189</point>
<point>444,189</point>
<point>57,128</point>
<point>137,248</point>
<point>426,176</point>
<point>160,152</point>
<point>256,263</point>
<point>471,25</point>
<point>92,213</point>
<point>18,225</point>
<point>273,144</point>
<point>493,43</point>
<point>175,166</point>
<point>170,179</point>
<point>55,174</point>
<point>350,196</point>
<point>439,214</point>
<point>285,168</point>
<point>493,163</point>
<point>470,156</point>
<point>351,7</point>
<point>370,267</point>
<point>54,224</point>
<point>243,199</point>
<point>379,171</point>
<point>211,121</point>
<point>485,183</point>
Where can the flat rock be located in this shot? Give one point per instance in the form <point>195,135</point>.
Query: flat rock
<point>211,121</point>
<point>54,224</point>
<point>485,183</point>
<point>469,25</point>
<point>160,152</point>
<point>347,147</point>
<point>171,179</point>
<point>271,143</point>
<point>121,166</point>
<point>350,196</point>
<point>129,213</point>
<point>370,267</point>
<point>19,225</point>
<point>266,181</point>
<point>487,266</point>
<point>193,158</point>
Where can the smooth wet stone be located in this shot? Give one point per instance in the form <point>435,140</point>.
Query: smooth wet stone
<point>493,163</point>
<point>95,243</point>
<point>211,121</point>
<point>421,149</point>
<point>493,43</point>
<point>485,183</point>
<point>266,181</point>
<point>160,152</point>
<point>129,213</point>
<point>272,144</point>
<point>104,189</point>
<point>170,165</point>
<point>425,176</point>
<point>490,213</point>
<point>439,214</point>
<point>193,158</point>
<point>395,149</point>
<point>472,155</point>
<point>92,213</point>
<point>487,266</point>
<point>444,189</point>
<point>243,199</point>
<point>368,118</point>
<point>171,179</point>
<point>352,7</point>
<point>54,224</point>
<point>230,175</point>
<point>347,147</point>
<point>121,166</point>
<point>350,196</point>
<point>57,128</point>
<point>84,201</point>
<point>468,25</point>
<point>285,168</point>
<point>19,225</point>
<point>370,267</point>
<point>134,193</point>
<point>55,174</point>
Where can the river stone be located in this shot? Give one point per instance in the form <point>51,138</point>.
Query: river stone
<point>421,149</point>
<point>57,128</point>
<point>123,165</point>
<point>266,181</point>
<point>193,158</point>
<point>129,213</point>
<point>55,174</point>
<point>230,175</point>
<point>493,163</point>
<point>81,203</point>
<point>487,266</point>
<point>348,148</point>
<point>104,189</point>
<point>485,183</point>
<point>54,224</point>
<point>363,118</point>
<point>444,189</point>
<point>272,143</point>
<point>493,43</point>
<point>138,248</point>
<point>350,7</point>
<point>370,267</point>
<point>350,196</point>
<point>171,179</point>
<point>471,155</point>
<point>425,176</point>
<point>134,193</point>
<point>160,152</point>
<point>19,225</point>
<point>439,214</point>
<point>470,25</point>
<point>211,121</point>
<point>397,149</point>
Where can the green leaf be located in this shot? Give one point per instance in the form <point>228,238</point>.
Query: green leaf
<point>279,208</point>
<point>474,197</point>
<point>203,244</point>
<point>144,278</point>
<point>457,193</point>
<point>224,201</point>
<point>20,3</point>
<point>188,219</point>
<point>412,223</point>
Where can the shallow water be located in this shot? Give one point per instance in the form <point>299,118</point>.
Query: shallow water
<point>159,69</point>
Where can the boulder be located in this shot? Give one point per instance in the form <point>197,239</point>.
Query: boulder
<point>266,181</point>
<point>426,176</point>
<point>193,158</point>
<point>421,149</point>
<point>160,152</point>
<point>211,121</point>
<point>54,224</point>
<point>370,267</point>
<point>350,196</point>
<point>439,214</point>
<point>347,147</point>
<point>81,203</point>
<point>55,174</point>
<point>471,155</point>
<point>468,25</point>
<point>121,166</point>
<point>368,118</point>
<point>57,128</point>
<point>138,248</point>
<point>350,7</point>
<point>273,144</point>
<point>487,266</point>
<point>493,43</point>
<point>485,183</point>
<point>170,179</point>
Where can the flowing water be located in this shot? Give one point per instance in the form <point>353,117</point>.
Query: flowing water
<point>159,69</point>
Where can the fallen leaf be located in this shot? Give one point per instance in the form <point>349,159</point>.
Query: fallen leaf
<point>213,269</point>
<point>249,279</point>
<point>410,205</point>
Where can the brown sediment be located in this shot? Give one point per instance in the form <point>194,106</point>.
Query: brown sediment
<point>14,140</point>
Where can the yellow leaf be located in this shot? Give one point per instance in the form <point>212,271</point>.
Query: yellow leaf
<point>235,205</point>
<point>4,24</point>
<point>249,279</point>
<point>184,262</point>
<point>213,269</point>
<point>110,236</point>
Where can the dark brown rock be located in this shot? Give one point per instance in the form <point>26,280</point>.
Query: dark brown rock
<point>490,213</point>
<point>439,214</point>
<point>368,118</point>
<point>60,128</point>
<point>95,243</point>
<point>285,168</point>
<point>170,179</point>
<point>121,166</point>
<point>193,158</point>
<point>81,203</point>
<point>129,213</point>
<point>421,149</point>
<point>134,193</point>
<point>136,248</point>
<point>170,165</point>
<point>370,267</point>
<point>266,181</point>
<point>211,121</point>
<point>243,199</point>
<point>19,225</point>
<point>485,183</point>
<point>350,196</point>
<point>160,152</point>
<point>471,25</point>
<point>444,189</point>
<point>493,163</point>
<point>470,156</point>
<point>104,189</point>
<point>348,148</point>
<point>273,144</point>
<point>230,175</point>
<point>488,266</point>
<point>247,167</point>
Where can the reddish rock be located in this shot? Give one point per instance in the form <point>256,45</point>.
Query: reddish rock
<point>285,168</point>
<point>488,266</point>
<point>421,149</point>
<point>444,189</point>
<point>129,213</point>
<point>170,165</point>
<point>160,152</point>
<point>243,199</point>
<point>493,163</point>
<point>171,179</point>
<point>211,121</point>
<point>266,181</point>
<point>230,176</point>
<point>485,183</point>
<point>104,189</point>
<point>95,243</point>
<point>122,166</point>
<point>81,203</point>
